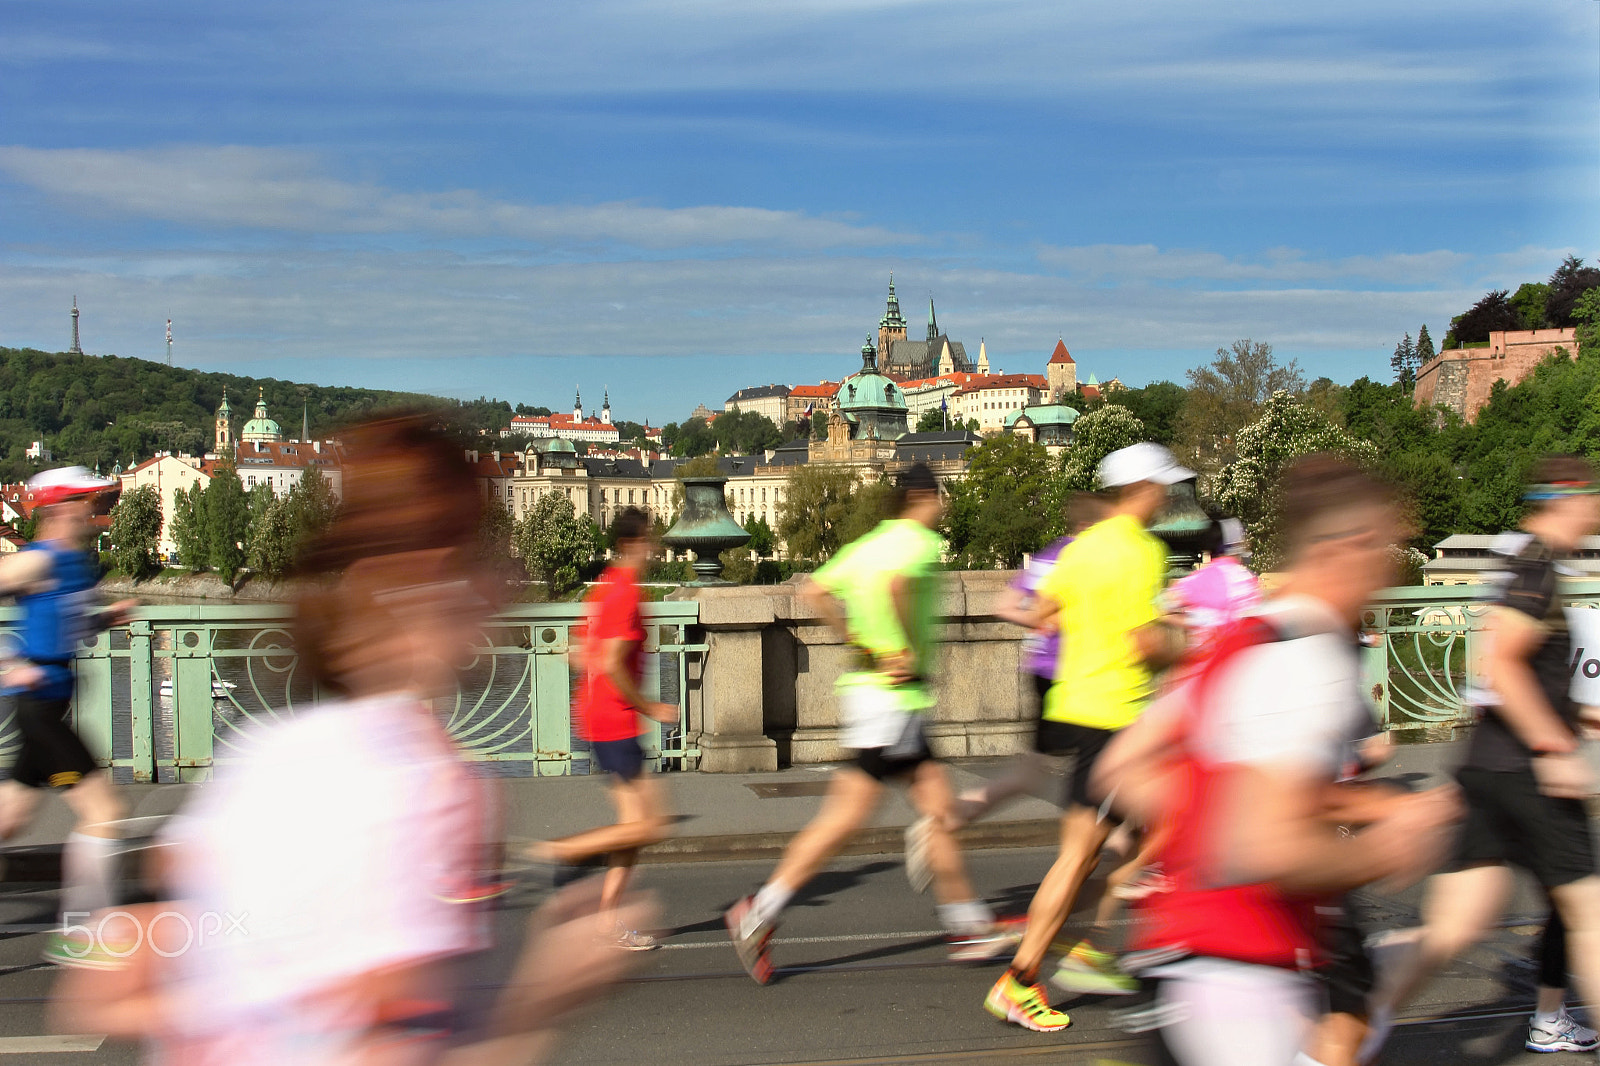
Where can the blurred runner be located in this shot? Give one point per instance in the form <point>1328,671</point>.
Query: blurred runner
<point>53,580</point>
<point>1238,765</point>
<point>1524,779</point>
<point>1102,595</point>
<point>1219,591</point>
<point>321,886</point>
<point>881,593</point>
<point>609,712</point>
<point>1041,652</point>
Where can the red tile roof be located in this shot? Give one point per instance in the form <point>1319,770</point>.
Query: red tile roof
<point>825,391</point>
<point>1061,355</point>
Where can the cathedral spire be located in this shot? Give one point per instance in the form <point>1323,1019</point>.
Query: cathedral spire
<point>933,322</point>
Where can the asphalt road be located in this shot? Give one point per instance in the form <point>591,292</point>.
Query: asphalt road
<point>863,979</point>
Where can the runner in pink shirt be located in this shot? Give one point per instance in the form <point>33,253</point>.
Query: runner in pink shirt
<point>1220,591</point>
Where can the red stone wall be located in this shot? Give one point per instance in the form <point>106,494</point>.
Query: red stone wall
<point>1460,379</point>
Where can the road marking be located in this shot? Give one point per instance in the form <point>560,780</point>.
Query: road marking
<point>918,935</point>
<point>44,1045</point>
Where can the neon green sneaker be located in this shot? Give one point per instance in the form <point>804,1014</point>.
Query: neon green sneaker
<point>1091,972</point>
<point>85,952</point>
<point>1026,1005</point>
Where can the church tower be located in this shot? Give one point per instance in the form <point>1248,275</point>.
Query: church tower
<point>225,442</point>
<point>891,327</point>
<point>577,404</point>
<point>933,324</point>
<point>605,408</point>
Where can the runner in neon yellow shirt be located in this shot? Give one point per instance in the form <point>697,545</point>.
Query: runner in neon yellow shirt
<point>1102,594</point>
<point>880,593</point>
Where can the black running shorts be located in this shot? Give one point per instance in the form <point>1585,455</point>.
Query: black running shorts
<point>1348,975</point>
<point>1084,744</point>
<point>51,753</point>
<point>1510,820</point>
<point>624,758</point>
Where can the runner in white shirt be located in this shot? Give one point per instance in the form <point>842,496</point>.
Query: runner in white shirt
<point>323,884</point>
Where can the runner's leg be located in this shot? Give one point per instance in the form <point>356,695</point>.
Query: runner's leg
<point>1457,910</point>
<point>639,802</point>
<point>18,802</point>
<point>1083,831</point>
<point>1579,902</point>
<point>852,796</point>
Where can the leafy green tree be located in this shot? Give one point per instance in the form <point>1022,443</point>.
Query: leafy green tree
<point>227,522</point>
<point>1228,395</point>
<point>1490,314</point>
<point>1095,436</point>
<point>871,503</point>
<point>260,498</point>
<point>1159,405</point>
<point>135,529</point>
<point>762,538</point>
<point>1403,362</point>
<point>1530,300</point>
<point>313,503</point>
<point>930,421</point>
<point>275,539</point>
<point>816,510</point>
<point>690,439</point>
<point>819,425</point>
<point>1567,285</point>
<point>189,531</point>
<point>739,432</point>
<point>553,542</point>
<point>1586,313</point>
<point>999,511</point>
<point>495,530</point>
<point>1286,429</point>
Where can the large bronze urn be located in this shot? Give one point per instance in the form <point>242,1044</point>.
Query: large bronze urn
<point>706,528</point>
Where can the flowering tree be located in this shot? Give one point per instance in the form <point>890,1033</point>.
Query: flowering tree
<point>1285,430</point>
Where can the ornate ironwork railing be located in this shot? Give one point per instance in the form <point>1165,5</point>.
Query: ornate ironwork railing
<point>181,688</point>
<point>1422,647</point>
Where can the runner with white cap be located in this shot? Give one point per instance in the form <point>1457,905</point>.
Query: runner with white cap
<point>1102,594</point>
<point>53,581</point>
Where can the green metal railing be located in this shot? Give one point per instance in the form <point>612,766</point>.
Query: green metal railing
<point>182,688</point>
<point>1422,648</point>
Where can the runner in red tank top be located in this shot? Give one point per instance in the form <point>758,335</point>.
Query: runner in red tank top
<point>1238,763</point>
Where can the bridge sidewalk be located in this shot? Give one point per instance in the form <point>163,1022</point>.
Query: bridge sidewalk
<point>717,816</point>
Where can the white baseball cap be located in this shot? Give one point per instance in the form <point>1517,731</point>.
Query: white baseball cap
<point>1141,462</point>
<point>64,483</point>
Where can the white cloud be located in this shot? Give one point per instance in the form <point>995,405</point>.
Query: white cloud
<point>282,189</point>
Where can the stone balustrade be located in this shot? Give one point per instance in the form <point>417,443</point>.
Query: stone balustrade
<point>764,694</point>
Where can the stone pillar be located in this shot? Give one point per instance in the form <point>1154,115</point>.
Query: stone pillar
<point>731,693</point>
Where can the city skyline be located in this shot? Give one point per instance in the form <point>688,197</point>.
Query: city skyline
<point>683,200</point>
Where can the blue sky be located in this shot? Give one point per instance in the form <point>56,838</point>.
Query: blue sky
<point>674,200</point>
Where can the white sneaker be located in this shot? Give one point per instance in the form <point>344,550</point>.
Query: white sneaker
<point>1563,1034</point>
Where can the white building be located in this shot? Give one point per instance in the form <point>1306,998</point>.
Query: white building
<point>993,399</point>
<point>167,473</point>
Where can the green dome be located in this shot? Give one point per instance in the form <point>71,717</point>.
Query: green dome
<point>1045,414</point>
<point>559,445</point>
<point>870,389</point>
<point>263,427</point>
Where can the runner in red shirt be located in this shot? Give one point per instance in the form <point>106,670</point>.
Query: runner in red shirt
<point>609,706</point>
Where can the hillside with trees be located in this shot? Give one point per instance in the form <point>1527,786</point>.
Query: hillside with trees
<point>102,410</point>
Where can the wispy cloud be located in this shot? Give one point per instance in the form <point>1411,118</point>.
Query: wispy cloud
<point>283,189</point>
<point>1286,268</point>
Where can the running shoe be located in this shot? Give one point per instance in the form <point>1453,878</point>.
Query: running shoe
<point>750,939</point>
<point>1565,1033</point>
<point>1026,1005</point>
<point>1151,881</point>
<point>86,952</point>
<point>1091,972</point>
<point>918,870</point>
<point>986,944</point>
<point>633,940</point>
